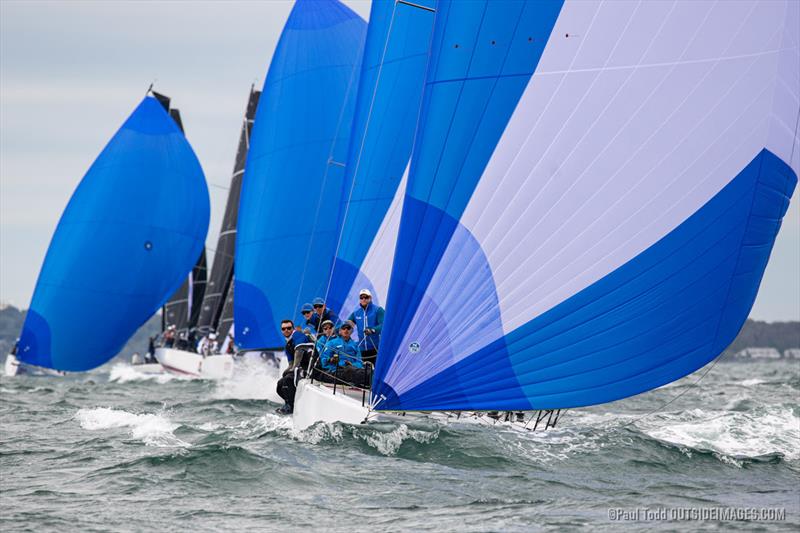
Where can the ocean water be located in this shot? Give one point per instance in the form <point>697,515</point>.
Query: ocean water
<point>122,451</point>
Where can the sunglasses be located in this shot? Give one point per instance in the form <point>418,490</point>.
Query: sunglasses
<point>318,306</point>
<point>348,328</point>
<point>327,327</point>
<point>286,328</point>
<point>364,297</point>
<point>306,312</point>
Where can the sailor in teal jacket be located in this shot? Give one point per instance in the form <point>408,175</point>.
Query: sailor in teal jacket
<point>343,348</point>
<point>327,335</point>
<point>368,318</point>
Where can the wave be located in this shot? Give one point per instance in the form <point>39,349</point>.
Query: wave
<point>124,373</point>
<point>734,437</point>
<point>152,429</point>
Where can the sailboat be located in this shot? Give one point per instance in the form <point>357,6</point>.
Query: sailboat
<point>594,193</point>
<point>204,319</point>
<point>389,97</point>
<point>129,235</point>
<point>289,207</point>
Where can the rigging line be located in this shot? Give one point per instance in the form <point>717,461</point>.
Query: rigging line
<point>366,129</point>
<point>358,158</point>
<point>672,400</point>
<point>356,67</point>
<point>361,146</point>
<point>369,116</point>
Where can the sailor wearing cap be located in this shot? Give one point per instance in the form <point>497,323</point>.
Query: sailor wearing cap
<point>326,334</point>
<point>169,336</point>
<point>341,351</point>
<point>322,313</point>
<point>208,345</point>
<point>305,324</point>
<point>368,318</point>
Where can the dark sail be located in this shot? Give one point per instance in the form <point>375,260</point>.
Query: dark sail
<point>219,282</point>
<point>226,318</point>
<point>198,288</point>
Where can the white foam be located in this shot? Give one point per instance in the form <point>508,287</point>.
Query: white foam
<point>252,380</point>
<point>124,372</point>
<point>732,436</point>
<point>152,429</point>
<point>388,443</point>
<point>752,382</point>
<point>319,432</point>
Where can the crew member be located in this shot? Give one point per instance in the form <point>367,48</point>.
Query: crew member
<point>286,386</point>
<point>322,313</point>
<point>169,336</point>
<point>368,318</point>
<point>208,345</point>
<point>305,324</point>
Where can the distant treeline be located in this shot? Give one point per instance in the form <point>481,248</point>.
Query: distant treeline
<point>11,320</point>
<point>755,334</point>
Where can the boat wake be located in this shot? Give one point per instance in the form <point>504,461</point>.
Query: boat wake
<point>151,429</point>
<point>252,380</point>
<point>124,373</point>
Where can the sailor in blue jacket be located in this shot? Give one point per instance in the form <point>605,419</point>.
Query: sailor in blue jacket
<point>287,386</point>
<point>368,318</point>
<point>327,335</point>
<point>322,313</point>
<point>305,324</point>
<point>341,351</point>
<point>341,360</point>
<point>292,338</point>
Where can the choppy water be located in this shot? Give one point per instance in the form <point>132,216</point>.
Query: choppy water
<point>117,450</point>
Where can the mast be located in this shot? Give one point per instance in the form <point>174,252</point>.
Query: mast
<point>221,279</point>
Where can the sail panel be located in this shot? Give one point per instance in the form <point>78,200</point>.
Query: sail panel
<point>627,138</point>
<point>387,107</point>
<point>289,209</point>
<point>197,291</point>
<point>129,235</point>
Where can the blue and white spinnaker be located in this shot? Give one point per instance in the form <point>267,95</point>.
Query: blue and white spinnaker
<point>593,197</point>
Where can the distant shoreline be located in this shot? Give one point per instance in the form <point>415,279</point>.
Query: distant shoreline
<point>758,340</point>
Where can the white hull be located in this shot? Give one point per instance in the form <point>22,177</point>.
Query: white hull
<point>316,402</point>
<point>11,366</point>
<point>219,366</point>
<point>15,367</point>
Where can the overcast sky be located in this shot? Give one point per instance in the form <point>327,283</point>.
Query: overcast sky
<point>71,72</point>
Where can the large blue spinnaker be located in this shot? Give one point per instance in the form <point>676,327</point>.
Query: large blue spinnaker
<point>289,209</point>
<point>593,197</point>
<point>129,236</point>
<point>389,97</point>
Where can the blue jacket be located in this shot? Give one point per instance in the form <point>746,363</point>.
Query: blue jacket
<point>292,342</point>
<point>326,315</point>
<point>321,340</point>
<point>372,318</point>
<point>346,350</point>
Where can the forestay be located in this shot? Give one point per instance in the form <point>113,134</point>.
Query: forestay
<point>289,208</point>
<point>389,96</point>
<point>593,197</point>
<point>129,236</point>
